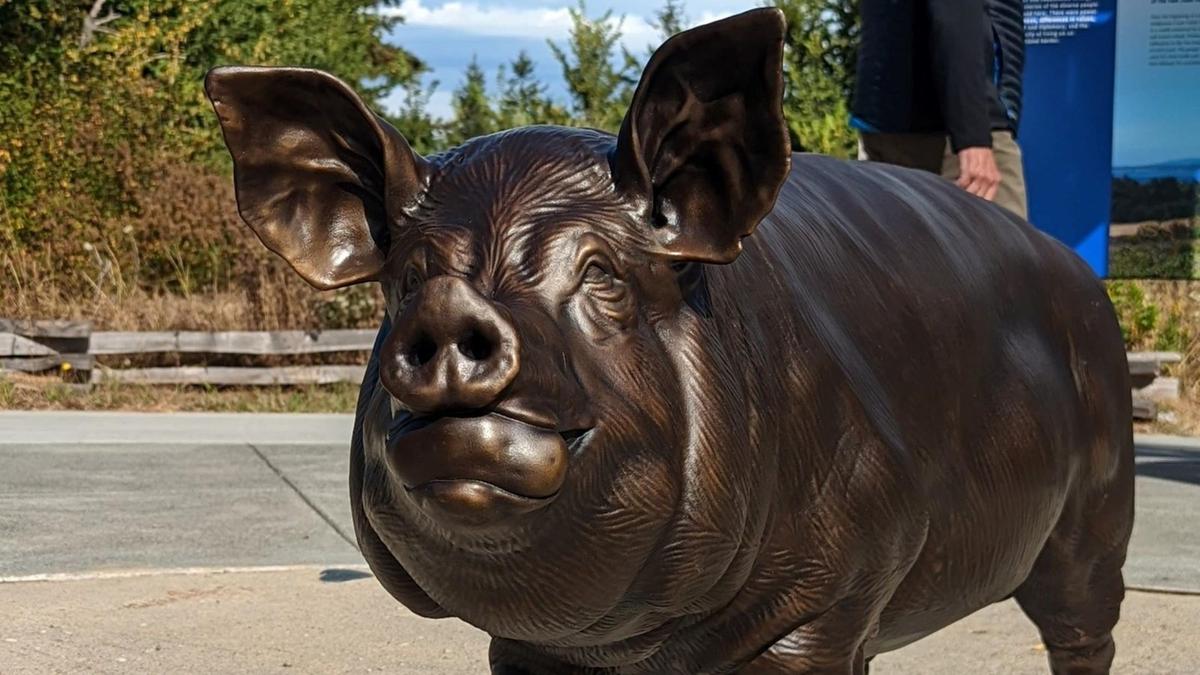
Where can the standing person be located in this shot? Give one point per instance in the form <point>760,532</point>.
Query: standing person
<point>939,88</point>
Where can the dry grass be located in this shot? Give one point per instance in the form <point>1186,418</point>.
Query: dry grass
<point>274,299</point>
<point>1176,418</point>
<point>26,392</point>
<point>177,258</point>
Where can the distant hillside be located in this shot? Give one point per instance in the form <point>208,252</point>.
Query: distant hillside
<point>1185,170</point>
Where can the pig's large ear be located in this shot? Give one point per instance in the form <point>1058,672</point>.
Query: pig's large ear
<point>704,141</point>
<point>318,176</point>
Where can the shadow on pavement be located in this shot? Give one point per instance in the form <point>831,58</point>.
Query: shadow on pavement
<point>1178,465</point>
<point>335,575</point>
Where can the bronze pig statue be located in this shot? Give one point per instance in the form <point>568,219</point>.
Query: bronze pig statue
<point>618,433</point>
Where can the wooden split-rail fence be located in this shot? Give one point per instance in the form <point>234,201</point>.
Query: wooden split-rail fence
<point>71,347</point>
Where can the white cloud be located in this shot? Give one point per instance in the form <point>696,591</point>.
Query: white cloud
<point>708,16</point>
<point>552,23</point>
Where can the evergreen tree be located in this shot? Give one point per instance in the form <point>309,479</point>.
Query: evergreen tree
<point>523,98</point>
<point>670,19</point>
<point>422,131</point>
<point>473,114</point>
<point>600,90</point>
<point>819,65</point>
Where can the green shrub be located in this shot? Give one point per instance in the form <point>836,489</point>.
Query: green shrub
<point>1144,325</point>
<point>1171,336</point>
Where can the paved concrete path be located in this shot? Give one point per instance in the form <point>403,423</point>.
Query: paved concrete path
<point>87,497</point>
<point>187,490</point>
<point>74,428</point>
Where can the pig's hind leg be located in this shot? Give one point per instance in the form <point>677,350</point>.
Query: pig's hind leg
<point>1074,592</point>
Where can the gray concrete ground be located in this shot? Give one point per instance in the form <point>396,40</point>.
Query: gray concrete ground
<point>115,529</point>
<point>65,428</point>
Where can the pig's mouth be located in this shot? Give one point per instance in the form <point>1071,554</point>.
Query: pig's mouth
<point>480,467</point>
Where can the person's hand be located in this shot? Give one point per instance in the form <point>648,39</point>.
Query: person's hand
<point>977,172</point>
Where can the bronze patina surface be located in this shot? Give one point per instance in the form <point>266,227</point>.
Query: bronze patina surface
<point>608,426</point>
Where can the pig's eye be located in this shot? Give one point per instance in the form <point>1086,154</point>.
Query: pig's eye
<point>607,301</point>
<point>598,276</point>
<point>412,280</point>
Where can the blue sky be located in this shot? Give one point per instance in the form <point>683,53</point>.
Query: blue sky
<point>1156,116</point>
<point>447,34</point>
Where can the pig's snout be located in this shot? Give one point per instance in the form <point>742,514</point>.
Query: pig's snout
<point>451,349</point>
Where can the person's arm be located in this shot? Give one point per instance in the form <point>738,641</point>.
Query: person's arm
<point>957,49</point>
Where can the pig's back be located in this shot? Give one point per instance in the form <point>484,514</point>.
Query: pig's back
<point>981,353</point>
<point>925,298</point>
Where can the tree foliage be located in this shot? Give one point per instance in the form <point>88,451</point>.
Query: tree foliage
<point>519,99</point>
<point>413,119</point>
<point>522,98</point>
<point>600,74</point>
<point>100,99</point>
<point>819,66</point>
<point>473,114</point>
<point>670,19</point>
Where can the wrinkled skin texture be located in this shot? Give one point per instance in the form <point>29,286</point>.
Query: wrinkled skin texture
<point>584,432</point>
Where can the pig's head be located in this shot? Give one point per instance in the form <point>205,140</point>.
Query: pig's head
<point>554,442</point>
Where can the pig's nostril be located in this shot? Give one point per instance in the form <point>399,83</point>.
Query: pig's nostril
<point>475,346</point>
<point>422,351</point>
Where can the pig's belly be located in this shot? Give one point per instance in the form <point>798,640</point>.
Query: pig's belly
<point>969,562</point>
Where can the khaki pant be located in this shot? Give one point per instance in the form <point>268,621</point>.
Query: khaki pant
<point>931,152</point>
